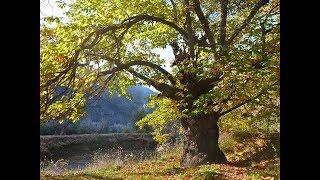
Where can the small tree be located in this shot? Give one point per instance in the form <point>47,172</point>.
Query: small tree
<point>162,122</point>
<point>141,113</point>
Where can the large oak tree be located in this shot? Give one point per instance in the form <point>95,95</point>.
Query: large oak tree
<point>226,55</point>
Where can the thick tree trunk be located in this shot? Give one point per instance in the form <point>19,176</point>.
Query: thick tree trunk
<point>201,144</point>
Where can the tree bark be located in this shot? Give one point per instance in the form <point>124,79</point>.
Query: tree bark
<point>201,144</point>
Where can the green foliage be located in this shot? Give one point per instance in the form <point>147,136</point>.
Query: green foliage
<point>243,124</point>
<point>73,109</point>
<point>165,113</point>
<point>59,40</point>
<point>105,35</point>
<point>138,116</point>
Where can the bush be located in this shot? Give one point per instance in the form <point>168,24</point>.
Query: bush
<point>244,127</point>
<point>164,120</point>
<point>227,145</point>
<point>138,116</point>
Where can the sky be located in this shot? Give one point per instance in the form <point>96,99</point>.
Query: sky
<point>50,8</point>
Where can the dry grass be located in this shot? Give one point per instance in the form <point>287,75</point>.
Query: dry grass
<point>253,159</point>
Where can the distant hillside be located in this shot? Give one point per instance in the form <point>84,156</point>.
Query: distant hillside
<point>104,114</point>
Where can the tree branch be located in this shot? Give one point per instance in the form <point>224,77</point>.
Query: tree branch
<point>142,17</point>
<point>248,100</point>
<point>223,21</point>
<point>205,24</point>
<point>127,23</point>
<point>247,20</point>
<point>270,13</point>
<point>191,37</point>
<point>143,63</point>
<point>166,90</point>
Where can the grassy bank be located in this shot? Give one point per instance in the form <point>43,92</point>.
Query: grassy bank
<point>254,158</point>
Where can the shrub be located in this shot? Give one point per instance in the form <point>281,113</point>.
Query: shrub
<point>227,145</point>
<point>164,120</point>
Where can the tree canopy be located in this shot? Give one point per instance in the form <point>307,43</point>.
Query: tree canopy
<point>226,54</point>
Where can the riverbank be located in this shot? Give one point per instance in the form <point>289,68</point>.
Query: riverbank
<point>78,151</point>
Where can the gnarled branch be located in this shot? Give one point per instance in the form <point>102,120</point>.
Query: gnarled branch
<point>143,63</point>
<point>166,90</point>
